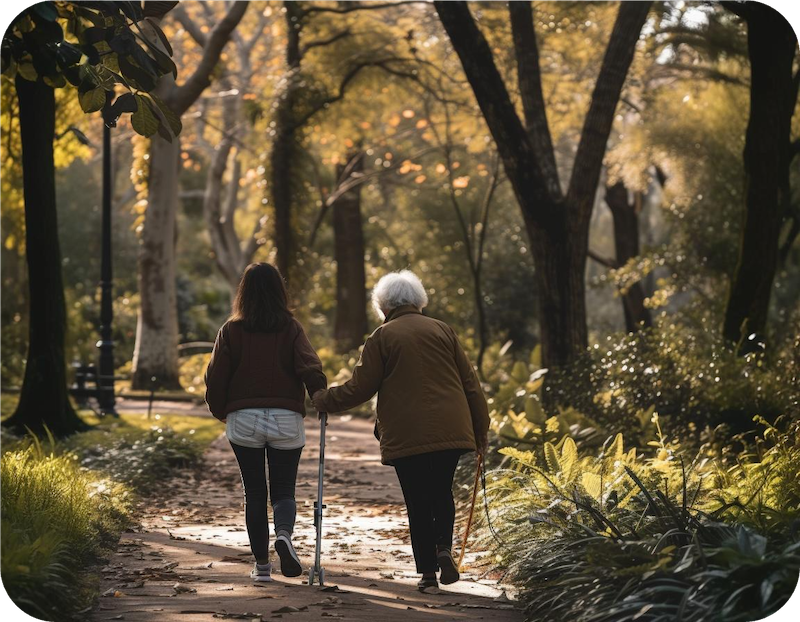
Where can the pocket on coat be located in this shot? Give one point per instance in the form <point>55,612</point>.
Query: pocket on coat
<point>244,424</point>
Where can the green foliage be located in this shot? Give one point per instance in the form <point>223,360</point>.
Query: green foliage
<point>624,535</point>
<point>694,380</point>
<point>56,518</point>
<point>94,47</point>
<point>761,489</point>
<point>142,459</point>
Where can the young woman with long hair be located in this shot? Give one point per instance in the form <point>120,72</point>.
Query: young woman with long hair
<point>254,383</point>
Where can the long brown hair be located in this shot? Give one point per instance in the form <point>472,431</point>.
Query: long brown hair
<point>261,302</point>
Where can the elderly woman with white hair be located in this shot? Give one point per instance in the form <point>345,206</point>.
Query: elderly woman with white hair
<point>431,410</point>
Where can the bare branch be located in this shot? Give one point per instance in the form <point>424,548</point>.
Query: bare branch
<point>188,93</point>
<point>494,182</point>
<point>351,7</point>
<point>189,25</point>
<point>323,42</point>
<point>260,28</point>
<point>698,71</point>
<point>603,261</point>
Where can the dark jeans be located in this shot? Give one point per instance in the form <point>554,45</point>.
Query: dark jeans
<point>427,483</point>
<point>283,465</point>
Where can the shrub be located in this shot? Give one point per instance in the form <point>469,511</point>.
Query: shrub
<point>56,518</point>
<point>141,459</point>
<point>619,536</point>
<point>692,377</point>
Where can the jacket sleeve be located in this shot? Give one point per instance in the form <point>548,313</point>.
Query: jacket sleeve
<point>472,389</point>
<point>307,365</point>
<point>218,375</point>
<point>366,380</point>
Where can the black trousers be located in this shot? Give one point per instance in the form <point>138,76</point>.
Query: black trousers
<point>283,464</point>
<point>427,483</point>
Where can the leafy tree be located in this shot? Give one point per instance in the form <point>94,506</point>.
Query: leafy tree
<point>557,223</point>
<point>91,47</point>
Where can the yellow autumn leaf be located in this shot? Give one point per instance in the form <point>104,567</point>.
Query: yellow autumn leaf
<point>461,182</point>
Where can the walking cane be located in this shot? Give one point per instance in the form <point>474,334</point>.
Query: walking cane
<point>318,572</point>
<point>478,466</point>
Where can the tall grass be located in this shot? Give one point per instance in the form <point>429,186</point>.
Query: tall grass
<point>56,518</point>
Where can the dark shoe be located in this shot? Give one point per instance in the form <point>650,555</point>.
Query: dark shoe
<point>290,564</point>
<point>448,567</point>
<point>428,586</point>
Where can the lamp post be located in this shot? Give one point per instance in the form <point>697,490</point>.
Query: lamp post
<point>105,370</point>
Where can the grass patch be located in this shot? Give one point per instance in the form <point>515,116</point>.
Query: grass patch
<point>64,503</point>
<point>57,518</point>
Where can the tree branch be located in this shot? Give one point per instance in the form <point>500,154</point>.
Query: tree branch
<point>529,78</point>
<point>185,95</point>
<point>603,261</point>
<point>324,42</point>
<point>189,25</point>
<point>597,125</point>
<point>350,7</point>
<point>513,144</point>
<point>701,71</point>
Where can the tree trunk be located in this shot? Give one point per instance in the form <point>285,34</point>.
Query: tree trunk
<point>351,287</point>
<point>557,223</point>
<point>283,147</point>
<point>561,286</point>
<point>281,170</point>
<point>156,349</point>
<point>44,400</point>
<point>771,46</point>
<point>626,242</point>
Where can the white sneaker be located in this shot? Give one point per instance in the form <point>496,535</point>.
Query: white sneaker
<point>290,563</point>
<point>261,573</point>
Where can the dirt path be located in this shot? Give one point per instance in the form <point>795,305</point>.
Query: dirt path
<point>190,559</point>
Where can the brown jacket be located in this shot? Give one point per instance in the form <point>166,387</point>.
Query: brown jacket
<point>429,397</point>
<point>261,370</point>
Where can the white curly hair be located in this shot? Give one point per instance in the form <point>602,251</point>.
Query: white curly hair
<point>396,289</point>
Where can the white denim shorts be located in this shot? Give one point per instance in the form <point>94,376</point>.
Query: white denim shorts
<point>258,427</point>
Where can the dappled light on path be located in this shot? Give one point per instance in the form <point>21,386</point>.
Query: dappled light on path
<point>190,558</point>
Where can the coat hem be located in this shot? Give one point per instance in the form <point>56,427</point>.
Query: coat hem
<point>424,449</point>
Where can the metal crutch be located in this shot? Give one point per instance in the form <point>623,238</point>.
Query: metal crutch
<point>317,572</point>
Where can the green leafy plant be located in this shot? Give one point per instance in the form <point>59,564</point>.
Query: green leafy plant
<point>95,46</point>
<point>624,535</point>
<point>57,517</point>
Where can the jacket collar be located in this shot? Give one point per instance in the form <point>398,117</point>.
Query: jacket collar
<point>401,310</point>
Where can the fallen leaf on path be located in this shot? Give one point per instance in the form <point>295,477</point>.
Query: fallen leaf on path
<point>182,588</point>
<point>234,560</point>
<point>290,609</point>
<point>333,588</point>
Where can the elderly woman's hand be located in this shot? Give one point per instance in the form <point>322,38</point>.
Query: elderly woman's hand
<point>317,399</point>
<point>482,442</point>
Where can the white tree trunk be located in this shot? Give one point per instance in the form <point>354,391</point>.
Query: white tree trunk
<point>156,349</point>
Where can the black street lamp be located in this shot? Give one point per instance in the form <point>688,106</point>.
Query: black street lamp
<point>105,372</point>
